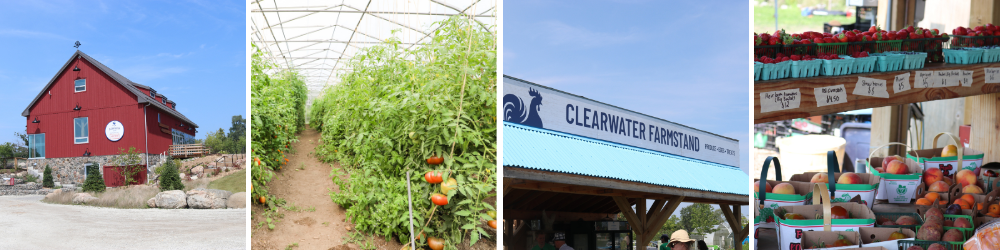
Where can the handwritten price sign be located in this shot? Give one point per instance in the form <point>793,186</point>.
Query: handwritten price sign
<point>780,100</point>
<point>992,75</point>
<point>871,87</point>
<point>967,78</point>
<point>901,83</point>
<point>946,78</point>
<point>924,79</point>
<point>830,95</point>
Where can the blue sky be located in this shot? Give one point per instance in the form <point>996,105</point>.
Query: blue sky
<point>683,61</point>
<point>193,52</point>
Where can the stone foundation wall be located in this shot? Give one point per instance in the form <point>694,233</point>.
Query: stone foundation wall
<point>71,170</point>
<point>24,189</point>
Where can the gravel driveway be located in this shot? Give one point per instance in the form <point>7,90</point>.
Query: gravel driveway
<point>28,223</point>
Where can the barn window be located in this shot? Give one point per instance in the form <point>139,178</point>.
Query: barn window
<point>36,146</point>
<point>158,117</point>
<point>80,130</point>
<point>164,99</point>
<point>80,85</point>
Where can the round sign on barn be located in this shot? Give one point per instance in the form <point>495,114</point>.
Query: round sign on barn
<point>114,130</point>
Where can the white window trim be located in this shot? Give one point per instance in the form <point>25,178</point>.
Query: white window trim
<point>84,85</point>
<point>32,141</point>
<point>158,118</point>
<point>85,137</point>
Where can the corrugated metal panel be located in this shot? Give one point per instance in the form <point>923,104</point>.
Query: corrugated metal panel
<point>541,149</point>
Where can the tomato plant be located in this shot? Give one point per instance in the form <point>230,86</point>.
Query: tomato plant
<point>396,108</point>
<point>278,113</point>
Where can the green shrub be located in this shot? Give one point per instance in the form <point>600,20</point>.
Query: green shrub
<point>47,178</point>
<point>30,178</point>
<point>170,179</point>
<point>94,182</point>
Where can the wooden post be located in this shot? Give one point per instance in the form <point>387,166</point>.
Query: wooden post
<point>889,124</point>
<point>985,120</point>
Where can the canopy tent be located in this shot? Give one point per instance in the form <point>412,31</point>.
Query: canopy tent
<point>316,38</point>
<point>546,170</point>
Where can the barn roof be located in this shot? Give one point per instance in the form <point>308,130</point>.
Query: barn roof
<point>128,84</point>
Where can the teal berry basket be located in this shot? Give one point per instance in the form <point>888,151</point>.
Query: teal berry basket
<point>837,67</point>
<point>913,60</point>
<point>863,65</point>
<point>885,62</point>
<point>757,66</point>
<point>991,54</point>
<point>963,55</point>
<point>774,71</point>
<point>809,68</point>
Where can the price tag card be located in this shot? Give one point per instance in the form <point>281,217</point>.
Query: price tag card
<point>947,78</point>
<point>780,100</point>
<point>924,79</point>
<point>831,95</point>
<point>901,83</point>
<point>871,87</point>
<point>967,78</point>
<point>992,75</point>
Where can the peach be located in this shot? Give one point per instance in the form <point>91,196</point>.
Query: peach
<point>968,198</point>
<point>756,187</point>
<point>820,178</point>
<point>938,186</point>
<point>953,235</point>
<point>972,189</point>
<point>949,150</point>
<point>949,181</point>
<point>783,188</point>
<point>931,196</point>
<point>880,169</point>
<point>887,160</point>
<point>933,175</point>
<point>897,167</point>
<point>965,177</point>
<point>849,178</point>
<point>906,221</point>
<point>963,223</point>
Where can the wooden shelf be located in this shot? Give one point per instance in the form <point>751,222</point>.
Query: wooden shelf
<point>807,105</point>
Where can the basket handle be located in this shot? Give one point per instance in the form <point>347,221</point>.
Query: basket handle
<point>763,180</point>
<point>831,167</point>
<point>872,154</point>
<point>955,140</point>
<point>824,198</point>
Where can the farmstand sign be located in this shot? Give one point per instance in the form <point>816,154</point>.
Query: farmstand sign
<point>543,107</point>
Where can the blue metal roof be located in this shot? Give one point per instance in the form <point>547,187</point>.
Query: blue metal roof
<point>547,150</point>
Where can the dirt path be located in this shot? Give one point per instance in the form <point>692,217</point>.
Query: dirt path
<point>306,184</point>
<point>28,223</point>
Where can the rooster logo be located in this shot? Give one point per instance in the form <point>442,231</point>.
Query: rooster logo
<point>515,111</point>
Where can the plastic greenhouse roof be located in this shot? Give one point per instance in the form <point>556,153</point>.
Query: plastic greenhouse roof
<point>547,150</point>
<point>317,37</point>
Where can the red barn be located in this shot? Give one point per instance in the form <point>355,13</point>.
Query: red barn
<point>88,112</point>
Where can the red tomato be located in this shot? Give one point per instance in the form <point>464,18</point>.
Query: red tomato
<point>493,224</point>
<point>838,212</point>
<point>435,243</point>
<point>439,199</point>
<point>433,177</point>
<point>435,160</point>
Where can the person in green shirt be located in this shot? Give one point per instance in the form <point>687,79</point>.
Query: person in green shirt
<point>665,240</point>
<point>542,244</point>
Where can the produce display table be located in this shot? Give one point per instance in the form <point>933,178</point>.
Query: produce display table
<point>768,238</point>
<point>808,103</point>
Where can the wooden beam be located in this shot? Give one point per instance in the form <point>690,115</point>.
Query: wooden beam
<point>728,213</point>
<point>626,209</point>
<point>657,205</point>
<point>553,203</point>
<point>662,217</point>
<point>620,187</point>
<point>640,210</point>
<point>515,214</point>
<point>507,182</point>
<point>542,198</point>
<point>985,133</point>
<point>808,107</point>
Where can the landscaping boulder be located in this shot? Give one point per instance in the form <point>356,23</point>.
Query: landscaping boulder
<point>207,198</point>
<point>83,198</point>
<point>237,200</point>
<point>53,194</point>
<point>171,199</point>
<point>196,171</point>
<point>151,202</point>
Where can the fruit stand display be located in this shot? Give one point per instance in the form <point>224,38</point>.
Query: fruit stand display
<point>942,196</point>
